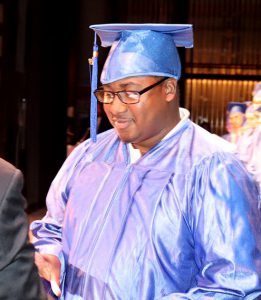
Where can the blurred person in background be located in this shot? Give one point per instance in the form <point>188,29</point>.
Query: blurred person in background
<point>234,121</point>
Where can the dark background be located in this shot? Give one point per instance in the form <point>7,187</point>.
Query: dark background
<point>44,72</point>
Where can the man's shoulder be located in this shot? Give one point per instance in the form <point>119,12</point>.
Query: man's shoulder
<point>202,148</point>
<point>104,139</point>
<point>212,142</point>
<point>88,150</point>
<point>106,134</point>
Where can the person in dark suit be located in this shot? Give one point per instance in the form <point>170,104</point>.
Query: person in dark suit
<point>19,278</point>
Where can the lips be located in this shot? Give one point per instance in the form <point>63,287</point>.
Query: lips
<point>121,123</point>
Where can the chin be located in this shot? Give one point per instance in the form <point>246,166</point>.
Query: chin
<point>126,138</point>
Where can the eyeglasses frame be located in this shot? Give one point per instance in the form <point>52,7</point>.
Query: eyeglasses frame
<point>146,89</point>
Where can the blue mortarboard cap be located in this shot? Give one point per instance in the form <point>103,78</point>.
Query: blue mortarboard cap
<point>234,107</point>
<point>143,49</point>
<point>139,50</point>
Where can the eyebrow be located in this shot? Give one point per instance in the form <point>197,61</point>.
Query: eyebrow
<point>122,86</point>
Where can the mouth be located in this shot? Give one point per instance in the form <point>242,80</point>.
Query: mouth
<point>121,124</point>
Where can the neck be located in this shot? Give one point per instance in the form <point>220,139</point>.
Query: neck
<point>145,146</point>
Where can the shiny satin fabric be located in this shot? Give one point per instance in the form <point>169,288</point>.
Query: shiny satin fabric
<point>141,53</point>
<point>180,223</point>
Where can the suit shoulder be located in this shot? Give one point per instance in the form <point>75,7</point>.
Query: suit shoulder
<point>6,168</point>
<point>8,173</point>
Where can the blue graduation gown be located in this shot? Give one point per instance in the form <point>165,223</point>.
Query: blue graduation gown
<point>180,223</point>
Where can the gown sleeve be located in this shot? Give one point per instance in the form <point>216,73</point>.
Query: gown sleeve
<point>47,233</point>
<point>225,223</point>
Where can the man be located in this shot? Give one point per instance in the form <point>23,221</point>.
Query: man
<point>19,279</point>
<point>156,208</point>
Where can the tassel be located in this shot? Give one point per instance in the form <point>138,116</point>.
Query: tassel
<point>94,81</point>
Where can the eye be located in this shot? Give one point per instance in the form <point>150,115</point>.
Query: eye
<point>132,95</point>
<point>108,95</point>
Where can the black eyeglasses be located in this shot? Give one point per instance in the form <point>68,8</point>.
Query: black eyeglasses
<point>127,97</point>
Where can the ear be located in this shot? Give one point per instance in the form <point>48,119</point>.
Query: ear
<point>170,89</point>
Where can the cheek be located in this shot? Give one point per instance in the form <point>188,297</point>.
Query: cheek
<point>105,108</point>
<point>107,111</point>
<point>140,114</point>
<point>147,118</point>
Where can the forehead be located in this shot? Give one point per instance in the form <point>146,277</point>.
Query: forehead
<point>138,81</point>
<point>235,114</point>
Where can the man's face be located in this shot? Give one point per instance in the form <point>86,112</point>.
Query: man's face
<point>236,120</point>
<point>144,123</point>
